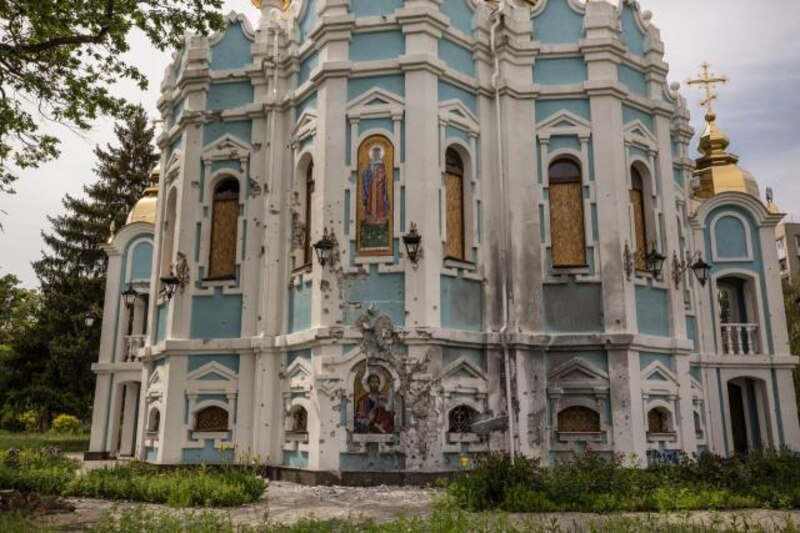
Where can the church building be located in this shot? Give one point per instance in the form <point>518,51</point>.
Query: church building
<point>391,236</point>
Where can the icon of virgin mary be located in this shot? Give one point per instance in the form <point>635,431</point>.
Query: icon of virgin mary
<point>375,194</point>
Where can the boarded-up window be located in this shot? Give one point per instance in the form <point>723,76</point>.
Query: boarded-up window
<point>299,420</point>
<point>454,203</point>
<point>211,418</point>
<point>224,229</point>
<point>567,231</point>
<point>639,224</point>
<point>461,418</point>
<point>658,421</point>
<point>578,419</point>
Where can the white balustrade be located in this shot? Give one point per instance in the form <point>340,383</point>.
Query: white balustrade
<point>740,339</point>
<point>132,345</point>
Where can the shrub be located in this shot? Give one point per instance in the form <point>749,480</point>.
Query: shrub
<point>591,483</point>
<point>29,420</point>
<point>66,424</point>
<point>35,470</point>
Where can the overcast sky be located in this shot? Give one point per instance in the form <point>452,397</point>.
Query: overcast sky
<point>757,44</point>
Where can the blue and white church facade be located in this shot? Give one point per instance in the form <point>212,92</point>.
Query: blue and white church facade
<point>538,151</point>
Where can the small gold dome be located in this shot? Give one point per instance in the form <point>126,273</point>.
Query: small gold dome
<point>717,169</point>
<point>284,7</point>
<point>145,209</point>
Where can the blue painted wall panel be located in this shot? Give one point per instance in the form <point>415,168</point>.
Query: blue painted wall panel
<point>142,261</point>
<point>460,14</point>
<point>731,238</point>
<point>295,459</point>
<point>229,95</point>
<point>631,114</point>
<point>448,91</point>
<point>558,23</point>
<point>306,66</point>
<point>232,51</point>
<point>548,108</point>
<point>161,322</point>
<point>631,36</point>
<point>241,129</point>
<point>216,317</point>
<point>651,311</point>
<point>377,45</point>
<point>633,79</point>
<point>457,57</point>
<point>230,360</point>
<point>384,291</point>
<point>207,455</point>
<point>394,83</point>
<point>462,303</point>
<point>560,71</point>
<point>299,307</point>
<point>371,8</point>
<point>308,20</point>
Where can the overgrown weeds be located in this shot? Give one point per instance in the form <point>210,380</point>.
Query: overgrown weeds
<point>590,483</point>
<point>65,441</point>
<point>47,472</point>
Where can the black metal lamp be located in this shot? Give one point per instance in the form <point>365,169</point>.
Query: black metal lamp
<point>412,241</point>
<point>701,270</point>
<point>324,247</point>
<point>129,296</point>
<point>655,262</point>
<point>169,284</point>
<point>797,302</point>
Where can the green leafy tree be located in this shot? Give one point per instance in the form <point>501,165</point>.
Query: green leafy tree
<point>791,300</point>
<point>60,60</point>
<point>72,273</point>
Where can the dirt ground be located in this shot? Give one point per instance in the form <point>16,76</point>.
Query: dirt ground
<point>289,502</point>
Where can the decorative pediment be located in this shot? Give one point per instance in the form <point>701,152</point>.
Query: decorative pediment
<point>455,112</point>
<point>298,376</point>
<point>564,123</point>
<point>226,147</point>
<point>376,103</point>
<point>306,125</point>
<point>212,371</point>
<point>637,133</point>
<point>155,384</point>
<point>658,371</point>
<point>174,161</point>
<point>463,369</point>
<point>230,19</point>
<point>578,371</point>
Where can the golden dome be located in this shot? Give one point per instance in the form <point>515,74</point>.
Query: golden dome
<point>145,208</point>
<point>717,168</point>
<point>284,7</point>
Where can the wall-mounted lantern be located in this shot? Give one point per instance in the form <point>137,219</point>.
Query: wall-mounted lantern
<point>324,247</point>
<point>412,241</point>
<point>89,319</point>
<point>170,284</point>
<point>700,268</point>
<point>129,296</point>
<point>653,261</point>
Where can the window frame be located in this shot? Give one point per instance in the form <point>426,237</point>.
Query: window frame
<point>215,199</point>
<point>553,183</point>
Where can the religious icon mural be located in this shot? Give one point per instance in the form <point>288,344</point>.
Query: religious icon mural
<point>375,210</point>
<point>373,401</point>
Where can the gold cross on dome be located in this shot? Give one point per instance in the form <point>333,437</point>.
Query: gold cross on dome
<point>708,81</point>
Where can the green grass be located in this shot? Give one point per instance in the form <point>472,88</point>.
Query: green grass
<point>36,470</point>
<point>14,522</point>
<point>65,441</point>
<point>182,487</point>
<point>591,484</point>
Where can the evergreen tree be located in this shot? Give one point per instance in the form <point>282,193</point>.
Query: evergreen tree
<point>791,301</point>
<point>72,273</point>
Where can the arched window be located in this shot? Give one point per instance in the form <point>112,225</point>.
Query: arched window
<point>658,421</point>
<point>698,425</point>
<point>154,421</point>
<point>299,419</point>
<point>639,221</point>
<point>454,204</point>
<point>309,190</point>
<point>224,229</point>
<point>168,233</point>
<point>461,418</point>
<point>211,418</point>
<point>567,231</point>
<point>578,419</point>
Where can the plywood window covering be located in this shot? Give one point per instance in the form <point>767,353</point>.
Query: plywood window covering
<point>639,224</point>
<point>454,204</point>
<point>461,418</point>
<point>211,418</point>
<point>307,251</point>
<point>658,421</point>
<point>578,419</point>
<point>224,229</point>
<point>567,230</point>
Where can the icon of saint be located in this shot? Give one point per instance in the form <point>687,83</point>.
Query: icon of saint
<point>373,409</point>
<point>375,194</point>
